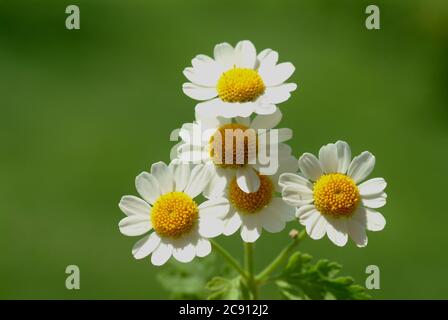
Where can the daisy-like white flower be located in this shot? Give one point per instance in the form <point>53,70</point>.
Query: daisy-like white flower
<point>168,207</point>
<point>199,144</point>
<point>331,197</point>
<point>238,82</point>
<point>253,212</point>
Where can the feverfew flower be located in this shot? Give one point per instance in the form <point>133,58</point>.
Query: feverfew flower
<point>253,212</point>
<point>331,197</point>
<point>180,225</point>
<point>200,144</point>
<point>238,82</point>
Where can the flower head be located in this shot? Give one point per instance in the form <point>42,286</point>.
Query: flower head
<point>238,82</point>
<point>252,212</point>
<point>180,225</point>
<point>331,197</point>
<point>206,141</point>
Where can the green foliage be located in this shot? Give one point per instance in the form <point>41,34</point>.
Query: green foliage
<point>188,280</point>
<point>197,280</point>
<point>227,289</point>
<point>301,279</point>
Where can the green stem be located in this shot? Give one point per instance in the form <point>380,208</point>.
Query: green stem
<point>230,260</point>
<point>283,255</point>
<point>249,264</point>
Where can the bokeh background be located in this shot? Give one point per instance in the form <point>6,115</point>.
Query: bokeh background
<point>83,112</point>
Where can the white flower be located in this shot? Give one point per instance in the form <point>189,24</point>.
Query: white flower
<point>199,144</point>
<point>180,225</point>
<point>238,82</point>
<point>253,212</point>
<point>331,198</point>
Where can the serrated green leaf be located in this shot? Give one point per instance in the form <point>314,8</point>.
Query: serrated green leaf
<point>225,289</point>
<point>301,279</point>
<point>188,280</point>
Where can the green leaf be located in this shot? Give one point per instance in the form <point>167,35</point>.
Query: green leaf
<point>301,279</point>
<point>227,289</point>
<point>188,280</point>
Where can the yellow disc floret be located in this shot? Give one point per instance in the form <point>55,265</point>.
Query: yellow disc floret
<point>240,85</point>
<point>243,150</point>
<point>336,195</point>
<point>174,214</point>
<point>251,202</point>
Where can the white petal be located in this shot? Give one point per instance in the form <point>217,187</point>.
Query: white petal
<point>245,121</point>
<point>280,93</point>
<point>278,74</point>
<point>306,211</point>
<point>374,201</point>
<point>250,234</point>
<point>211,69</point>
<point>297,195</point>
<point>267,59</point>
<point>344,156</point>
<point>288,164</point>
<point>292,179</point>
<point>185,253</point>
<point>361,166</point>
<point>188,153</point>
<point>181,174</point>
<point>328,157</point>
<point>372,187</point>
<point>357,232</point>
<point>161,254</point>
<point>375,220</point>
<point>186,132</point>
<point>267,121</point>
<point>285,212</point>
<point>317,228</point>
<point>274,136</point>
<point>216,186</point>
<point>223,54</point>
<point>271,219</point>
<point>217,107</point>
<point>199,178</point>
<point>198,92</point>
<point>201,61</point>
<point>216,207</point>
<point>202,77</point>
<point>210,227</point>
<point>283,134</point>
<point>310,166</point>
<point>145,246</point>
<point>309,218</point>
<point>264,108</point>
<point>203,247</point>
<point>337,231</point>
<point>148,187</point>
<point>164,177</point>
<point>232,224</point>
<point>245,54</point>
<point>135,225</point>
<point>133,206</point>
<point>247,179</point>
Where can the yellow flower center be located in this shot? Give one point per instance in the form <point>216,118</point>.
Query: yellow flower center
<point>243,149</point>
<point>251,202</point>
<point>240,85</point>
<point>336,195</point>
<point>174,214</point>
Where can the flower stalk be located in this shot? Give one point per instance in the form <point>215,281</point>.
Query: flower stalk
<point>283,255</point>
<point>230,260</point>
<point>249,265</point>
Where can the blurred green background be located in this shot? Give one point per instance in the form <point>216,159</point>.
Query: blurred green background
<point>83,112</point>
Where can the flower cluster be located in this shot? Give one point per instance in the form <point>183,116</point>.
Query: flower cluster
<point>234,156</point>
